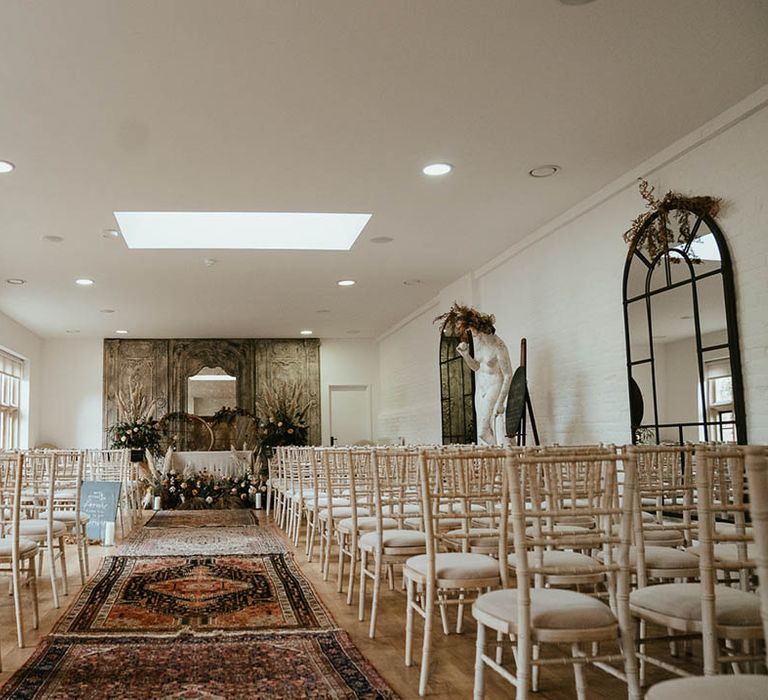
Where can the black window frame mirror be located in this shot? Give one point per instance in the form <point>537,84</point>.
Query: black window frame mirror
<point>677,270</point>
<point>457,392</point>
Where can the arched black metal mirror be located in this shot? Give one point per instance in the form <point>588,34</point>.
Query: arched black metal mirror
<point>457,393</point>
<point>681,332</point>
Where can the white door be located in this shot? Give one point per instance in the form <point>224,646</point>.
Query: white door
<point>350,413</point>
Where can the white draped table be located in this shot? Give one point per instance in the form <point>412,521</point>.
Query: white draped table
<point>224,464</point>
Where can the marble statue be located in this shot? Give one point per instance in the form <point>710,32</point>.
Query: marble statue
<point>490,363</point>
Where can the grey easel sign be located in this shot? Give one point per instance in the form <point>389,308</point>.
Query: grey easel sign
<point>99,500</point>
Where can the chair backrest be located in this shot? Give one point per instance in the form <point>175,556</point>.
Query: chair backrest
<point>458,486</point>
<point>721,492</point>
<point>756,463</point>
<point>545,494</point>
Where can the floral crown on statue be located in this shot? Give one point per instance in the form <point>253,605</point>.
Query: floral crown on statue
<point>462,319</point>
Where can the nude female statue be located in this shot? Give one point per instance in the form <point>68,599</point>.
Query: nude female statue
<point>491,364</point>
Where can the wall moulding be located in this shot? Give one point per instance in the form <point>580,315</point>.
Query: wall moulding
<point>162,366</point>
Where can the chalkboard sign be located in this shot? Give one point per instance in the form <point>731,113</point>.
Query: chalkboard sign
<point>99,499</point>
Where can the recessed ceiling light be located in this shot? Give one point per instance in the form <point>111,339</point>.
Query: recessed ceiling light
<point>436,169</point>
<point>219,230</point>
<point>106,311</point>
<point>84,281</point>
<point>544,171</point>
<point>72,331</point>
<point>15,281</point>
<point>121,331</point>
<point>323,311</point>
<point>413,282</point>
<point>6,166</point>
<point>305,332</point>
<point>110,233</point>
<point>209,262</point>
<point>346,283</point>
<point>53,239</point>
<point>353,332</point>
<point>686,318</point>
<point>382,239</point>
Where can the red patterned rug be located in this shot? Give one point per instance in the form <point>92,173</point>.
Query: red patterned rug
<point>167,595</point>
<point>277,666</point>
<point>241,517</point>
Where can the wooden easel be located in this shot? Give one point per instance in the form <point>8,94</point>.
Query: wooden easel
<point>519,406</point>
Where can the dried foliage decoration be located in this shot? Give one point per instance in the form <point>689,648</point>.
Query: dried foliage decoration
<point>462,319</point>
<point>654,226</point>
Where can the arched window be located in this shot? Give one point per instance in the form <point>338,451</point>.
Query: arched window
<point>681,332</point>
<point>457,393</point>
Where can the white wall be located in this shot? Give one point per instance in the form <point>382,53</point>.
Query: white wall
<point>72,389</point>
<point>22,342</point>
<point>351,362</point>
<point>561,289</point>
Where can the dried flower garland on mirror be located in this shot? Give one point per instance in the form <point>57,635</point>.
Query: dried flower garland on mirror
<point>652,232</point>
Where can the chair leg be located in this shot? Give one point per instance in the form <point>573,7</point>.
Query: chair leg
<point>52,567</point>
<point>426,647</point>
<point>33,588</point>
<point>64,576</point>
<point>85,550</point>
<point>363,586</point>
<point>479,691</point>
<point>578,673</point>
<point>409,586</point>
<point>340,569</point>
<point>80,555</point>
<point>535,668</point>
<point>353,549</point>
<point>375,596</point>
<point>17,605</point>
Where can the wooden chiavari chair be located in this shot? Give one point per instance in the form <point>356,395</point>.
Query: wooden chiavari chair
<point>742,686</point>
<point>452,495</point>
<point>545,495</point>
<point>17,554</point>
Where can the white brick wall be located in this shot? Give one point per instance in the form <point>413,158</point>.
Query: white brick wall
<point>564,294</point>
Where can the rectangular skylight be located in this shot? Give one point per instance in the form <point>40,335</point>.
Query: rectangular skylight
<point>240,230</point>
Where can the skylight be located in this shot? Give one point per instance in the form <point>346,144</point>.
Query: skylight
<point>240,230</point>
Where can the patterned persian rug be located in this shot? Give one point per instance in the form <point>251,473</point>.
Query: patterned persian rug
<point>162,595</point>
<point>204,518</point>
<point>289,666</point>
<point>204,541</point>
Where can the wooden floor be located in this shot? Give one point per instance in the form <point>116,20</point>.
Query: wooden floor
<point>453,656</point>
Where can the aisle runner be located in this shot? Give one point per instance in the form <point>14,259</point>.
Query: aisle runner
<point>198,621</point>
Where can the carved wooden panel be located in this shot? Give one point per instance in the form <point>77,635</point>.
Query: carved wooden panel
<point>163,366</point>
<point>145,361</point>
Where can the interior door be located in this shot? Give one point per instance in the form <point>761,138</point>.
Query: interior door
<point>350,413</point>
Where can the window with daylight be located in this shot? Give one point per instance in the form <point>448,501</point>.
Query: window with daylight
<point>11,372</point>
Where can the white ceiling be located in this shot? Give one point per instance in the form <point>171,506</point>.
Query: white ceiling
<point>332,106</point>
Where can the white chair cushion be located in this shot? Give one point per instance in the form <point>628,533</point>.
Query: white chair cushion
<point>456,565</point>
<point>727,552</point>
<point>25,547</point>
<point>323,502</point>
<point>657,557</point>
<point>741,687</point>
<point>443,523</point>
<point>68,516</point>
<point>648,517</point>
<point>395,538</point>
<point>560,530</point>
<point>343,512</point>
<point>567,563</point>
<point>683,601</point>
<point>65,494</point>
<point>367,523</point>
<point>478,536</point>
<point>39,528</point>
<point>551,609</point>
<point>401,509</point>
<point>458,507</point>
<point>665,538</point>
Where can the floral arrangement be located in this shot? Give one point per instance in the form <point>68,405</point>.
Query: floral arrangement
<point>203,490</point>
<point>137,430</point>
<point>282,415</point>
<point>139,435</point>
<point>654,224</point>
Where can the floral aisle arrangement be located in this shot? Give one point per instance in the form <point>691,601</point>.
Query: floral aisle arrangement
<point>137,429</point>
<point>282,415</point>
<point>203,490</point>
